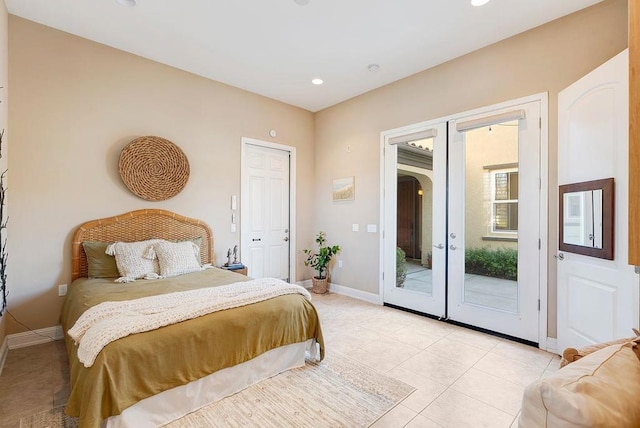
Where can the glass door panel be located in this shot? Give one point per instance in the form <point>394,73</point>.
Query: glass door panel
<point>414,223</point>
<point>491,217</point>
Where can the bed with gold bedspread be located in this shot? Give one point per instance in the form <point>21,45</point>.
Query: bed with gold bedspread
<point>159,375</point>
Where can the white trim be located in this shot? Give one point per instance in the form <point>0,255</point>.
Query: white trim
<point>292,196</point>
<point>552,345</point>
<point>543,98</point>
<point>346,291</point>
<point>356,294</point>
<point>543,340</point>
<point>35,337</point>
<point>4,351</point>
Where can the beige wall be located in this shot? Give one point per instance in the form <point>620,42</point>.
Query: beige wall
<point>75,105</point>
<point>545,59</point>
<point>4,61</point>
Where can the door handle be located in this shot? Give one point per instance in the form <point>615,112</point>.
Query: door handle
<point>560,256</point>
<point>286,238</point>
<point>439,246</point>
<point>452,235</point>
<point>256,239</point>
<point>453,247</point>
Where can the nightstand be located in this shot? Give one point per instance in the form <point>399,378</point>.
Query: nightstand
<point>242,271</point>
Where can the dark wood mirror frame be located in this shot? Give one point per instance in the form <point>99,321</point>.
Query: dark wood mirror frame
<point>607,187</point>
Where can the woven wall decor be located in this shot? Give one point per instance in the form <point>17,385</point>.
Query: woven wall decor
<point>153,168</point>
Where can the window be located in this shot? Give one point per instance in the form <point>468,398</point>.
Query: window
<point>504,201</point>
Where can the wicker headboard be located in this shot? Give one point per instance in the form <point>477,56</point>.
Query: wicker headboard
<point>139,225</point>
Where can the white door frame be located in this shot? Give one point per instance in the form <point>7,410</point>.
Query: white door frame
<point>543,97</point>
<point>244,217</point>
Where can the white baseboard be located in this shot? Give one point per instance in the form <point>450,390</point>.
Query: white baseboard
<point>356,294</point>
<point>552,345</point>
<point>346,291</point>
<point>306,283</point>
<point>35,337</point>
<point>4,351</point>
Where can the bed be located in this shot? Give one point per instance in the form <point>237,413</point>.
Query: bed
<point>154,377</point>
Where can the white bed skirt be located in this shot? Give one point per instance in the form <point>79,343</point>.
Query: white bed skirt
<point>177,402</point>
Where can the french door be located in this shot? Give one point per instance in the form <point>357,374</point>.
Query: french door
<point>483,238</point>
<point>494,220</point>
<point>417,284</point>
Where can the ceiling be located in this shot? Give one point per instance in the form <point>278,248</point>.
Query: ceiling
<point>276,47</point>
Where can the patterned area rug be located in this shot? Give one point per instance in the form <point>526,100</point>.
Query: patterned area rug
<point>337,392</point>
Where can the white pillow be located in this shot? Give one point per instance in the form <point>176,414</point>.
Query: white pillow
<point>177,258</point>
<point>135,259</point>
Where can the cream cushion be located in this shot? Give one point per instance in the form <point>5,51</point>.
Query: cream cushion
<point>599,390</point>
<point>135,259</point>
<point>177,258</point>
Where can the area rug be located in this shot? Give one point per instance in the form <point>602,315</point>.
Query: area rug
<point>338,392</point>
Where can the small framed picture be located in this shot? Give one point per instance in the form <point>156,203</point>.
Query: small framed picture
<point>344,189</point>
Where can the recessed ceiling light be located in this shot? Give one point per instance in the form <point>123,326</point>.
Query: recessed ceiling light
<point>127,3</point>
<point>317,81</point>
<point>373,68</point>
<point>301,2</point>
<point>479,2</point>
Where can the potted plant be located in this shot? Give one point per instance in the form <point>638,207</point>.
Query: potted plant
<point>319,261</point>
<point>401,267</point>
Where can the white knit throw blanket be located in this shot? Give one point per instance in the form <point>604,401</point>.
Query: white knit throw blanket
<point>109,321</point>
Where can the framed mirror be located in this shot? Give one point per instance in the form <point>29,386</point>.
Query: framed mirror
<point>586,218</point>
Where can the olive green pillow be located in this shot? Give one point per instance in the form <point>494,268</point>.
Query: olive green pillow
<point>100,264</point>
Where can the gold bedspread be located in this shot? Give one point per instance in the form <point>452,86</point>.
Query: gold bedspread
<point>144,364</point>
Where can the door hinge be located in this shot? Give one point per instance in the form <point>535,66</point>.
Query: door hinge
<point>383,276</point>
<point>539,244</point>
<point>540,123</point>
<point>538,305</point>
<point>637,269</point>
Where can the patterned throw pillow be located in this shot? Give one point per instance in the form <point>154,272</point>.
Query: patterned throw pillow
<point>135,259</point>
<point>177,258</point>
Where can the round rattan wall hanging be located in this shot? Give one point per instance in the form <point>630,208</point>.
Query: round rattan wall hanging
<point>153,168</point>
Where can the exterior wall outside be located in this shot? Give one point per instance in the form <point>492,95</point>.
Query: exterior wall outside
<point>75,105</point>
<point>484,148</point>
<point>545,59</point>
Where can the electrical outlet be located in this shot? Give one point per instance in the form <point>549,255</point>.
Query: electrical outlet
<point>62,290</point>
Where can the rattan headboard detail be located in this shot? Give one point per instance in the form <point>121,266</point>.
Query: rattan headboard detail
<point>139,225</point>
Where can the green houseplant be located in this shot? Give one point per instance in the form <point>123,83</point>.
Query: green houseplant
<point>319,261</point>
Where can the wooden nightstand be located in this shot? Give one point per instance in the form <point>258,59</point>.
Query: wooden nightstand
<point>242,271</point>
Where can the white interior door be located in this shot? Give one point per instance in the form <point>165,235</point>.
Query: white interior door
<point>419,152</point>
<point>265,212</point>
<point>494,220</point>
<point>597,298</point>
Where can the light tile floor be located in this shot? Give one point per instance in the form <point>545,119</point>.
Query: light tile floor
<point>462,378</point>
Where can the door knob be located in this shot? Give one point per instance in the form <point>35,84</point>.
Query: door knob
<point>286,238</point>
<point>453,247</point>
<point>439,246</point>
<point>560,256</point>
<point>452,235</point>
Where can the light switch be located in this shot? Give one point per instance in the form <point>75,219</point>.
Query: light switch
<point>372,228</point>
<point>233,227</point>
<point>355,227</point>
<point>234,202</point>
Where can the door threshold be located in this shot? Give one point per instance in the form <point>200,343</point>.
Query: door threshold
<point>469,326</point>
